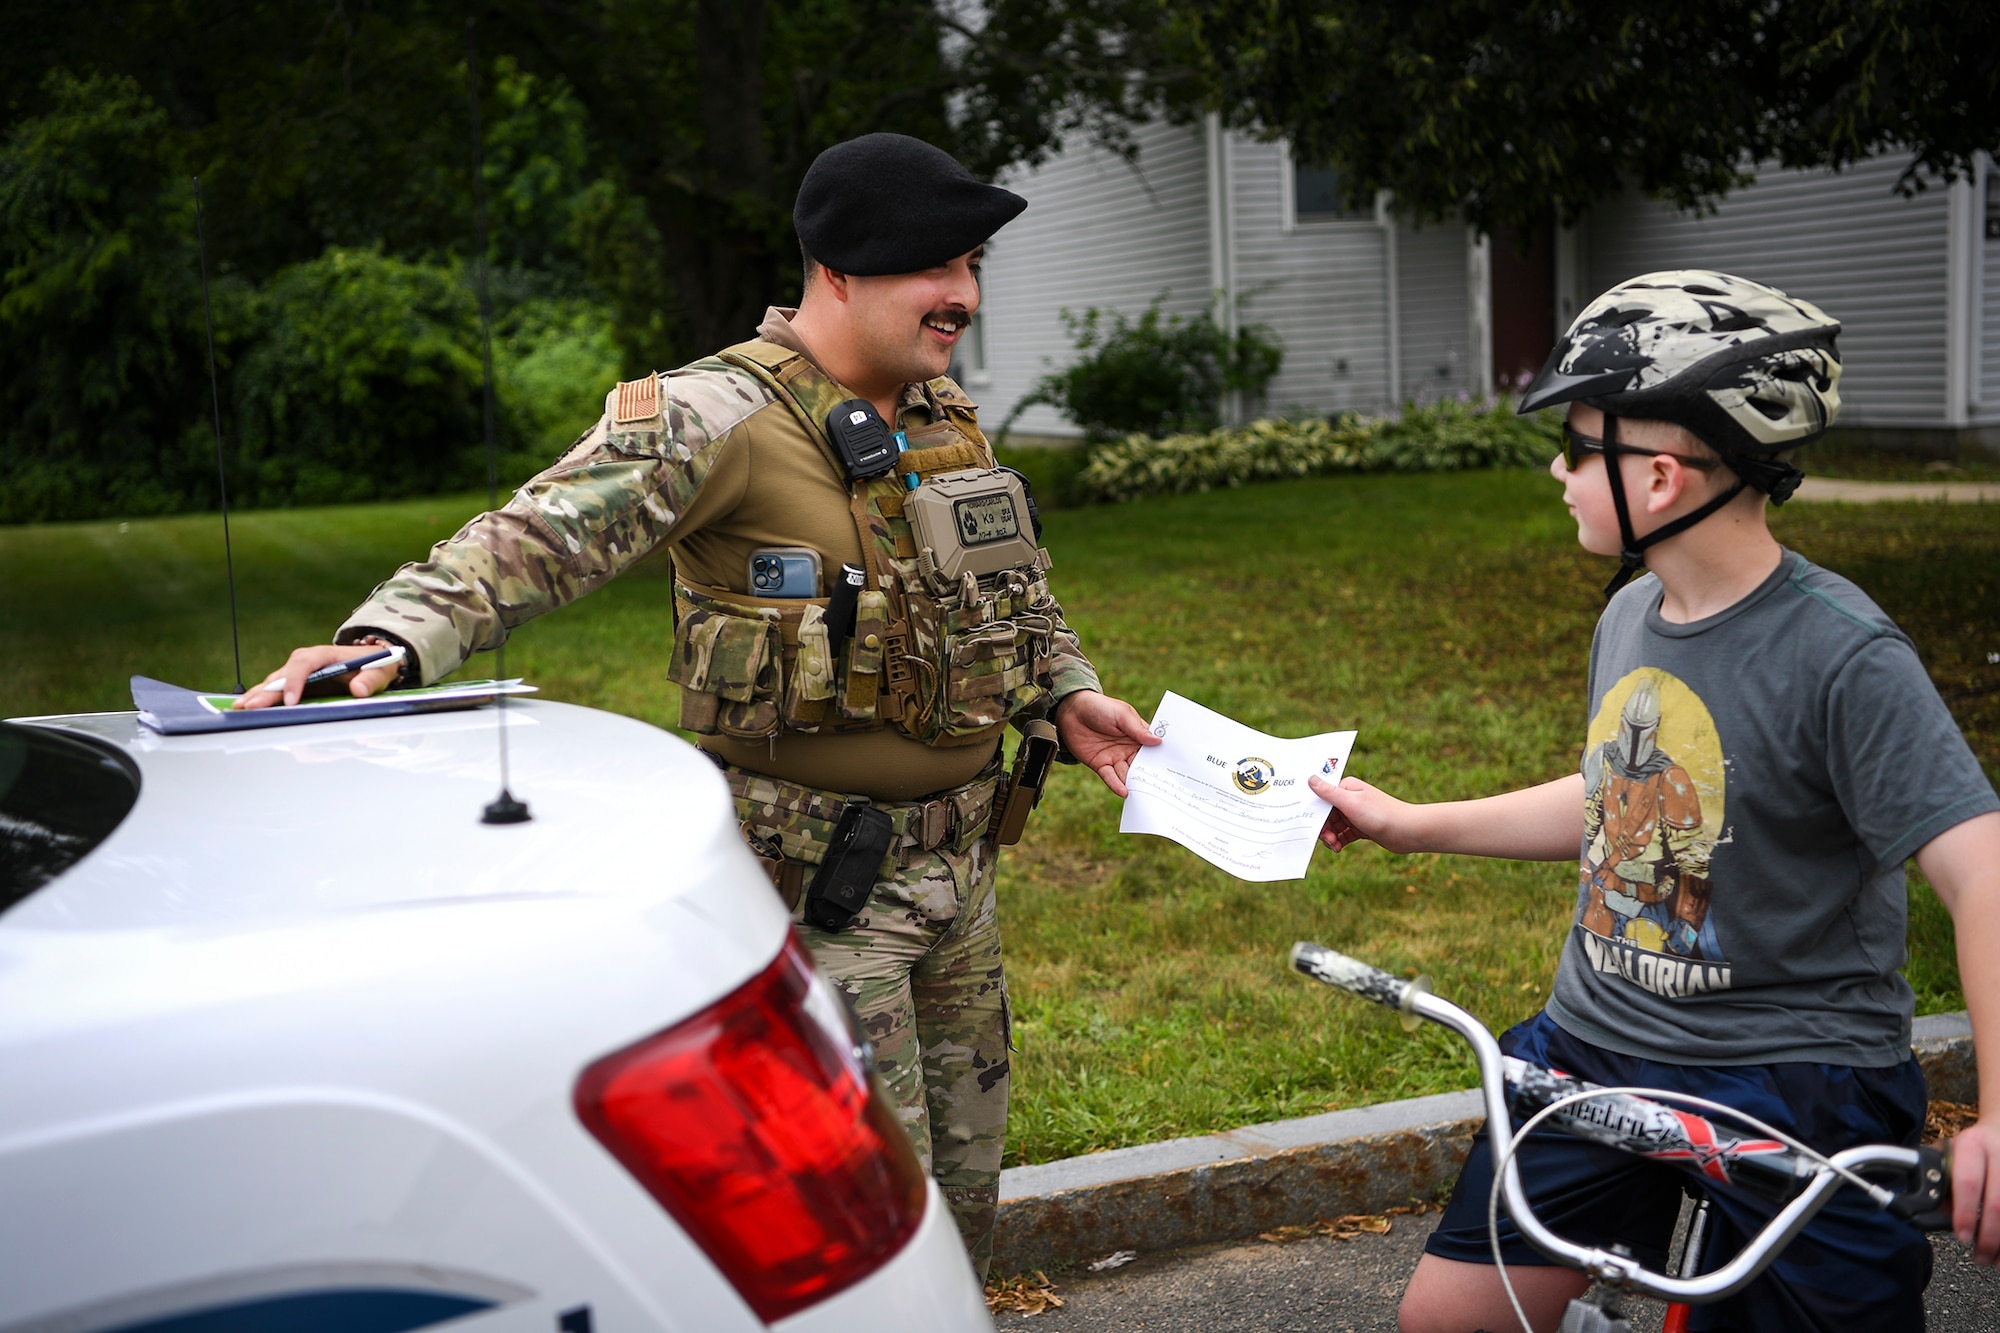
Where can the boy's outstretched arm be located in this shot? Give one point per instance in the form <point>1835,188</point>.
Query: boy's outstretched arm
<point>1963,865</point>
<point>1542,823</point>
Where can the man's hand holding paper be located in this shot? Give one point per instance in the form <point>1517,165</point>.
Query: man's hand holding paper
<point>1234,796</point>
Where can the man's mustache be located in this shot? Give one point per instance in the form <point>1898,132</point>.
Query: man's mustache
<point>955,319</point>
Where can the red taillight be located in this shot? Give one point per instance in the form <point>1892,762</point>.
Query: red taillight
<point>756,1125</point>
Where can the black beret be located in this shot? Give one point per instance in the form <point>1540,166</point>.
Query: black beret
<point>887,203</point>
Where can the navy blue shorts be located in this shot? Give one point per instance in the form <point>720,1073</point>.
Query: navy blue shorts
<point>1855,1268</point>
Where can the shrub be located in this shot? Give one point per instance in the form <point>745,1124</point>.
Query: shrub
<point>363,384</point>
<point>1154,375</point>
<point>1453,435</point>
<point>102,371</point>
<point>1442,437</point>
<point>353,375</point>
<point>553,362</point>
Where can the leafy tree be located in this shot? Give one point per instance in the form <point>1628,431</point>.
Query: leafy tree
<point>1518,112</point>
<point>100,335</point>
<point>344,124</point>
<point>349,375</point>
<point>732,99</point>
<point>363,383</point>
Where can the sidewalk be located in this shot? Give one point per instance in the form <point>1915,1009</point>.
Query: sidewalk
<point>1220,1187</point>
<point>1832,489</point>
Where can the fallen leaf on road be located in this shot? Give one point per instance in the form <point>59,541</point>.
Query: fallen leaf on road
<point>1116,1259</point>
<point>1022,1294</point>
<point>1339,1228</point>
<point>1948,1118</point>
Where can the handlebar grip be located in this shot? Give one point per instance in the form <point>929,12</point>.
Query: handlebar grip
<point>1351,974</point>
<point>1926,1204</point>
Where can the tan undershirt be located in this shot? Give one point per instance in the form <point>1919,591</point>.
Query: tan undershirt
<point>772,486</point>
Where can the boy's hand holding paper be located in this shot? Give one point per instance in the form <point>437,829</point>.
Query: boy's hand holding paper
<point>1234,796</point>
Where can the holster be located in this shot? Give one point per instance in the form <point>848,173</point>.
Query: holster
<point>790,828</point>
<point>787,877</point>
<point>1030,775</point>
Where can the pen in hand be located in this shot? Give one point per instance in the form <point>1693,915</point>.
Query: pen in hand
<point>384,657</point>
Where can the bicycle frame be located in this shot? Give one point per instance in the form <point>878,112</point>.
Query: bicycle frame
<point>1808,1182</point>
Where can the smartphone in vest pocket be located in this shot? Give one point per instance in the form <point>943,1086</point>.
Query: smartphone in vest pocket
<point>783,571</point>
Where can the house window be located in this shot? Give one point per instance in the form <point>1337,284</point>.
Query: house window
<point>1316,196</point>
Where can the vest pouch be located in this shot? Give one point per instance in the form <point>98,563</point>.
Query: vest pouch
<point>810,680</point>
<point>990,645</point>
<point>990,671</point>
<point>728,670</point>
<point>861,688</point>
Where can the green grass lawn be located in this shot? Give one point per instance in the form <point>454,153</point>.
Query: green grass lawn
<point>1445,617</point>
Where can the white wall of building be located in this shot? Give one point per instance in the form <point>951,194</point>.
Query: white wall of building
<point>1319,285</point>
<point>1986,407</point>
<point>1847,242</point>
<point>1436,312</point>
<point>1102,232</point>
<point>1098,232</point>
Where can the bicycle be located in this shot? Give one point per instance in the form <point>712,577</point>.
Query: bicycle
<point>1797,1179</point>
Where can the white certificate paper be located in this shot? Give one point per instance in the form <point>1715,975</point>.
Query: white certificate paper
<point>1235,797</point>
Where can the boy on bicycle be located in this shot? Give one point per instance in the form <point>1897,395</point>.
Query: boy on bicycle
<point>1765,751</point>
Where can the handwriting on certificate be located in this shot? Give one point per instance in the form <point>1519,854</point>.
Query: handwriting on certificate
<point>1233,795</point>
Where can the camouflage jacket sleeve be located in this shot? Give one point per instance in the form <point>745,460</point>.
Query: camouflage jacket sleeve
<point>1069,669</point>
<point>620,492</point>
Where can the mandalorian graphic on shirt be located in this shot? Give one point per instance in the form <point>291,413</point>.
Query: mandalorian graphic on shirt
<point>1654,787</point>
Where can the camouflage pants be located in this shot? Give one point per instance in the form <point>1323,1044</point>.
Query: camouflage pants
<point>921,964</point>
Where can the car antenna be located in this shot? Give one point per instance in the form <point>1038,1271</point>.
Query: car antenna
<point>215,398</point>
<point>504,808</point>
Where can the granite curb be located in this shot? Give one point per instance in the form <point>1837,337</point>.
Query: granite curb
<point>1840,491</point>
<point>1219,1187</point>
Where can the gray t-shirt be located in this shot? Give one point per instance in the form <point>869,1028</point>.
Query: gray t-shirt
<point>1754,783</point>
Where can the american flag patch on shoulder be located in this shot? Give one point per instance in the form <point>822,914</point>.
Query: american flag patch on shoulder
<point>638,400</point>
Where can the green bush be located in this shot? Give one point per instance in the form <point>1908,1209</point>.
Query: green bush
<point>1443,437</point>
<point>554,361</point>
<point>102,371</point>
<point>363,383</point>
<point>1154,375</point>
<point>352,375</point>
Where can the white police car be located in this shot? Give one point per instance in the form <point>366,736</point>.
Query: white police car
<point>290,1040</point>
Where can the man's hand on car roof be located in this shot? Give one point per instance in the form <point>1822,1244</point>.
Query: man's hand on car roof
<point>291,677</point>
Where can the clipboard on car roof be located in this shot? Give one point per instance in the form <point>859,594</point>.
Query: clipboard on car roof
<point>173,710</point>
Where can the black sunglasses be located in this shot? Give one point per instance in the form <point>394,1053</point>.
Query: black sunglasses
<point>1577,447</point>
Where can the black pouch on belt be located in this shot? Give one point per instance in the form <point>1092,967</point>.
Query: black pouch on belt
<point>846,877</point>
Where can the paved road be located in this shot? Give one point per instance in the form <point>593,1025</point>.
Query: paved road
<point>1352,1286</point>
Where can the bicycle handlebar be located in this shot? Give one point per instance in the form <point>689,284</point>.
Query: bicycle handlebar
<point>1801,1183</point>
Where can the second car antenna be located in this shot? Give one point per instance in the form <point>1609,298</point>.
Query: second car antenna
<point>221,472</point>
<point>504,808</point>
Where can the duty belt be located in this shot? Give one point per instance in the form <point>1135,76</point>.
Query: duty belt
<point>789,825</point>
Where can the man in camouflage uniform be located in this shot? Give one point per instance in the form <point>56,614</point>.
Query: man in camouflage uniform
<point>733,454</point>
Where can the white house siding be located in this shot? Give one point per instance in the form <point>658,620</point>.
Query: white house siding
<point>1436,332</point>
<point>1988,252</point>
<point>1847,242</point>
<point>1097,232</point>
<point>1320,287</point>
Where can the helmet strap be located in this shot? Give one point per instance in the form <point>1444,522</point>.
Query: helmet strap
<point>1632,549</point>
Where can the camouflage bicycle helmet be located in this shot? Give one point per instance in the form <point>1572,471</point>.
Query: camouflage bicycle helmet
<point>1749,370</point>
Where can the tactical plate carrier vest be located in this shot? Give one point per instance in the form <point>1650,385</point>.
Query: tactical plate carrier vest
<point>944,662</point>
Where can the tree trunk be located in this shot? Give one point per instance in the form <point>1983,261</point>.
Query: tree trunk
<point>722,236</point>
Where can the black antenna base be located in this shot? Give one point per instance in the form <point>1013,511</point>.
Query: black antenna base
<point>504,809</point>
